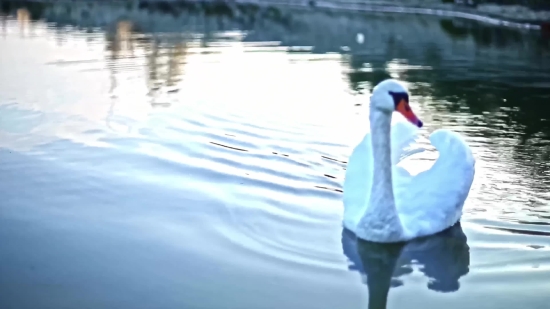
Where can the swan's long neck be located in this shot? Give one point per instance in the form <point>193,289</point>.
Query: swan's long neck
<point>381,218</point>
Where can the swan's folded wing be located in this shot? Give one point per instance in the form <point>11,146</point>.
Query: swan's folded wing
<point>432,200</point>
<point>404,140</point>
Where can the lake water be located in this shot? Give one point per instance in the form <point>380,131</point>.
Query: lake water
<point>202,167</point>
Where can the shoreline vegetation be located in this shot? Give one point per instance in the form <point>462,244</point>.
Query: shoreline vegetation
<point>535,17</point>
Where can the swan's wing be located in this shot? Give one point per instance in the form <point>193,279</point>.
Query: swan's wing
<point>404,139</point>
<point>358,176</point>
<point>432,200</point>
<point>406,142</point>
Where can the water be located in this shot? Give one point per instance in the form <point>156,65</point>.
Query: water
<point>160,163</point>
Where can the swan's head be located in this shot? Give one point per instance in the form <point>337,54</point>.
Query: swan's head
<point>391,96</point>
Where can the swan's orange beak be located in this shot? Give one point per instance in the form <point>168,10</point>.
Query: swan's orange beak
<point>405,110</point>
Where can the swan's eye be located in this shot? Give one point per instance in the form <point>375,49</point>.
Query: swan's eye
<point>399,97</point>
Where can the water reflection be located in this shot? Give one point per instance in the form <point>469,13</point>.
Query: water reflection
<point>164,59</point>
<point>24,21</point>
<point>120,42</point>
<point>443,258</point>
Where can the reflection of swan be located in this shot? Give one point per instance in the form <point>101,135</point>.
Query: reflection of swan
<point>383,202</point>
<point>445,258</point>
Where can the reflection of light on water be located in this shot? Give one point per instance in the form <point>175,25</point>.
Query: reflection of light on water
<point>398,67</point>
<point>360,38</point>
<point>208,78</point>
<point>217,76</point>
<point>162,57</point>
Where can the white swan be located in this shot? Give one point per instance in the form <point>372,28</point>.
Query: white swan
<point>383,202</point>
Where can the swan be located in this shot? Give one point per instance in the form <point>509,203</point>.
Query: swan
<point>385,203</point>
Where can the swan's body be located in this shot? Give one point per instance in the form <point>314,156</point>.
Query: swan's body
<point>383,202</point>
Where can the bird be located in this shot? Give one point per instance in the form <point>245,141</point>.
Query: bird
<point>383,201</point>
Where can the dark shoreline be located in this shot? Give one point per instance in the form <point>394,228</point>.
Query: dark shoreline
<point>427,8</point>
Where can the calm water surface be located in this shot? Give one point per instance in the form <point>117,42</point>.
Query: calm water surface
<point>202,167</point>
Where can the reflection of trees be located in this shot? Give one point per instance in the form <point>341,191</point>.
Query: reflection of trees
<point>164,57</point>
<point>34,9</point>
<point>22,15</point>
<point>490,36</point>
<point>120,42</point>
<point>510,95</point>
<point>24,20</point>
<point>165,67</point>
<point>3,23</point>
<point>504,107</point>
<point>483,36</point>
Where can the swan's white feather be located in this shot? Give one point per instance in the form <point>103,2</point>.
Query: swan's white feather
<point>359,169</point>
<point>432,200</point>
<point>427,202</point>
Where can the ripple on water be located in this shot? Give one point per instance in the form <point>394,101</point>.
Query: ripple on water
<point>282,186</point>
<point>288,207</point>
<point>285,232</point>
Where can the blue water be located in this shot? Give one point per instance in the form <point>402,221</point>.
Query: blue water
<point>203,167</point>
